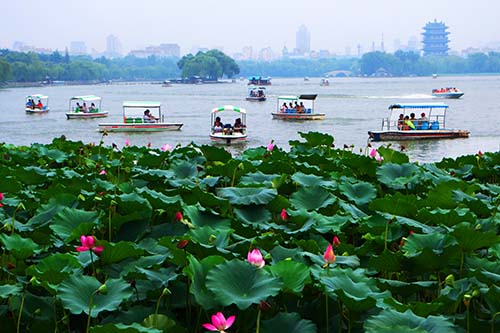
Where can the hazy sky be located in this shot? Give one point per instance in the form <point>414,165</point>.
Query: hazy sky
<point>233,24</point>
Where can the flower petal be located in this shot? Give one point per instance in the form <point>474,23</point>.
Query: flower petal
<point>210,327</point>
<point>82,249</point>
<point>230,321</point>
<point>98,249</point>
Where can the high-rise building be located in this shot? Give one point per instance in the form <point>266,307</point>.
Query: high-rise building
<point>113,46</point>
<point>77,48</point>
<point>302,40</point>
<point>435,39</point>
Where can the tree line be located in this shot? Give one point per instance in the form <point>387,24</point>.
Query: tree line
<point>213,64</point>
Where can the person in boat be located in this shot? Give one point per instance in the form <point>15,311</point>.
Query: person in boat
<point>84,108</point>
<point>78,108</point>
<point>39,105</point>
<point>283,107</point>
<point>148,117</point>
<point>30,104</point>
<point>290,106</point>
<point>401,121</point>
<point>238,125</point>
<point>423,122</point>
<point>92,107</point>
<point>218,125</point>
<point>301,108</point>
<point>409,125</point>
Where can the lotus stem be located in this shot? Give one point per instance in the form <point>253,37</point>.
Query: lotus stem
<point>92,262</point>
<point>109,225</point>
<point>257,328</point>
<point>327,313</point>
<point>493,322</point>
<point>468,320</point>
<point>386,234</point>
<point>91,303</point>
<point>20,313</point>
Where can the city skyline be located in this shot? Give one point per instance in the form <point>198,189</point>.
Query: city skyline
<point>335,27</point>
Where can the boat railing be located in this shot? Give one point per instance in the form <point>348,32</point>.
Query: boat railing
<point>435,122</point>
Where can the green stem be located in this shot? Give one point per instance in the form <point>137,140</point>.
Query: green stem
<point>109,225</point>
<point>257,329</point>
<point>386,234</point>
<point>468,321</point>
<point>92,261</point>
<point>493,322</point>
<point>158,304</point>
<point>91,303</point>
<point>20,313</point>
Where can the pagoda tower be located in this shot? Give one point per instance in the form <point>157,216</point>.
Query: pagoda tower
<point>435,39</point>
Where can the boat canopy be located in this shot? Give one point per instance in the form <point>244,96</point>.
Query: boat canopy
<point>292,98</point>
<point>141,104</point>
<point>228,108</point>
<point>418,106</point>
<point>37,96</point>
<point>86,98</point>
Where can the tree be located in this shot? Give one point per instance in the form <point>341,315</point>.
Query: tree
<point>5,71</point>
<point>212,65</point>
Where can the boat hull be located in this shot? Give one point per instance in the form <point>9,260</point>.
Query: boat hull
<point>37,110</point>
<point>145,127</point>
<point>256,99</point>
<point>450,95</point>
<point>298,116</point>
<point>417,135</point>
<point>228,138</point>
<point>86,115</point>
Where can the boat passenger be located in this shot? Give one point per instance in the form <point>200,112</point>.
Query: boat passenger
<point>218,125</point>
<point>408,124</point>
<point>423,122</point>
<point>291,107</point>
<point>78,108</point>
<point>301,108</point>
<point>148,117</point>
<point>84,108</point>
<point>283,107</point>
<point>401,121</point>
<point>92,107</point>
<point>238,125</point>
<point>39,105</point>
<point>30,104</point>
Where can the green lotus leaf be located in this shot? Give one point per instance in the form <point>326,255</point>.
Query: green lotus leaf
<point>258,178</point>
<point>213,153</point>
<point>492,298</point>
<point>310,180</point>
<point>197,272</point>
<point>55,268</point>
<point>116,252</point>
<point>209,237</point>
<point>289,323</point>
<point>200,217</point>
<point>293,274</point>
<point>441,196</point>
<point>55,155</point>
<point>184,170</point>
<point>32,175</point>
<point>160,277</point>
<point>315,139</point>
<point>397,204</point>
<point>391,155</point>
<point>158,197</point>
<point>411,224</point>
<point>21,248</point>
<point>70,223</point>
<point>162,323</point>
<point>238,282</point>
<point>247,195</point>
<point>280,253</point>
<point>431,252</point>
<point>257,216</point>
<point>7,290</point>
<point>312,198</point>
<point>471,239</point>
<point>354,211</point>
<point>447,217</point>
<point>121,328</point>
<point>76,293</point>
<point>406,289</point>
<point>392,321</point>
<point>387,261</point>
<point>398,176</point>
<point>354,288</point>
<point>325,224</point>
<point>360,192</point>
<point>46,212</point>
<point>134,206</point>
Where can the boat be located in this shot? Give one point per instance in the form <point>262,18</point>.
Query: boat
<point>431,125</point>
<point>256,94</point>
<point>134,114</point>
<point>34,101</point>
<point>228,133</point>
<point>166,83</point>
<point>259,81</point>
<point>306,78</point>
<point>324,82</point>
<point>92,105</point>
<point>434,76</point>
<point>449,92</point>
<point>286,109</point>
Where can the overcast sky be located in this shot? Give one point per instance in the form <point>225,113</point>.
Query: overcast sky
<point>233,24</point>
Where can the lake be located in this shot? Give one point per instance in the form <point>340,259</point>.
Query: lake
<point>353,106</point>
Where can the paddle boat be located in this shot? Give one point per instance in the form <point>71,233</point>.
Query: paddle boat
<point>297,108</point>
<point>37,103</point>
<point>140,116</point>
<point>431,124</point>
<point>228,133</point>
<point>256,94</point>
<point>85,107</point>
<point>324,82</point>
<point>259,81</point>
<point>449,92</point>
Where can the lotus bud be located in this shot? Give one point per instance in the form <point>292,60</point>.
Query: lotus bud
<point>467,299</point>
<point>182,244</point>
<point>166,291</point>
<point>103,289</point>
<point>37,312</point>
<point>475,293</point>
<point>32,280</point>
<point>450,280</point>
<point>344,254</point>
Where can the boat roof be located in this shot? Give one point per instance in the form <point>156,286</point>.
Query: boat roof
<point>141,104</point>
<point>85,98</point>
<point>228,108</point>
<point>418,106</point>
<point>39,96</point>
<point>307,97</point>
<point>258,77</point>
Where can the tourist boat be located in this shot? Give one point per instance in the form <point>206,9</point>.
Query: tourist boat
<point>286,109</point>
<point>432,124</point>
<point>306,78</point>
<point>324,82</point>
<point>35,98</point>
<point>256,94</point>
<point>228,133</point>
<point>259,81</point>
<point>449,92</point>
<point>133,119</point>
<point>75,107</point>
<point>166,83</point>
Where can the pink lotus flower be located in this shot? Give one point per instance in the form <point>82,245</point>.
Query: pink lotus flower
<point>284,215</point>
<point>166,147</point>
<point>329,256</point>
<point>103,172</point>
<point>127,142</point>
<point>373,152</point>
<point>148,145</point>
<point>219,323</point>
<point>270,146</point>
<point>88,243</point>
<point>255,258</point>
<point>336,241</point>
<point>480,153</point>
<point>1,196</point>
<point>178,216</point>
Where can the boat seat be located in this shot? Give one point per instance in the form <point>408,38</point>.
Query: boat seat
<point>435,125</point>
<point>138,120</point>
<point>308,110</point>
<point>129,120</point>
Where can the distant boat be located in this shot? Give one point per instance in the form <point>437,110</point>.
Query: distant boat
<point>33,107</point>
<point>306,78</point>
<point>226,133</point>
<point>304,111</point>
<point>76,111</point>
<point>450,92</point>
<point>256,94</point>
<point>434,76</point>
<point>324,82</point>
<point>259,80</point>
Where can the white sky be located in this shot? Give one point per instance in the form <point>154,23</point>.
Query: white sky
<point>233,24</point>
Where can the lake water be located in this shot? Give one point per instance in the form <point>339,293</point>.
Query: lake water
<point>353,106</point>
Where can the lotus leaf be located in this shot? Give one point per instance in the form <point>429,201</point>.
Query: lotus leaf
<point>256,216</point>
<point>20,247</point>
<point>201,218</point>
<point>360,192</point>
<point>7,290</point>
<point>56,268</point>
<point>258,178</point>
<point>289,323</point>
<point>240,283</point>
<point>310,180</point>
<point>121,328</point>
<point>471,239</point>
<point>393,321</point>
<point>197,271</point>
<point>312,198</point>
<point>70,223</point>
<point>315,139</point>
<point>398,176</point>
<point>212,153</point>
<point>247,195</point>
<point>295,275</point>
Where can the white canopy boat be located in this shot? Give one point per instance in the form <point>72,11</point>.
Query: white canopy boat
<point>135,119</point>
<point>227,133</point>
<point>297,108</point>
<point>85,107</point>
<point>256,94</point>
<point>37,103</point>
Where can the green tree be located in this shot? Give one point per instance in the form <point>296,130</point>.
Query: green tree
<point>5,71</point>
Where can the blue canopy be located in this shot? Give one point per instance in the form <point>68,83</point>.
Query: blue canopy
<point>418,106</point>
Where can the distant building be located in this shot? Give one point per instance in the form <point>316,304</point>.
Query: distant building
<point>77,48</point>
<point>435,39</point>
<point>266,54</point>
<point>162,51</point>
<point>113,47</point>
<point>302,40</point>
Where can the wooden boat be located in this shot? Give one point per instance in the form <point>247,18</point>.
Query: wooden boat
<point>286,108</point>
<point>256,94</point>
<point>85,107</point>
<point>34,99</point>
<point>449,92</point>
<point>228,133</point>
<point>431,125</point>
<point>259,81</point>
<point>134,119</point>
